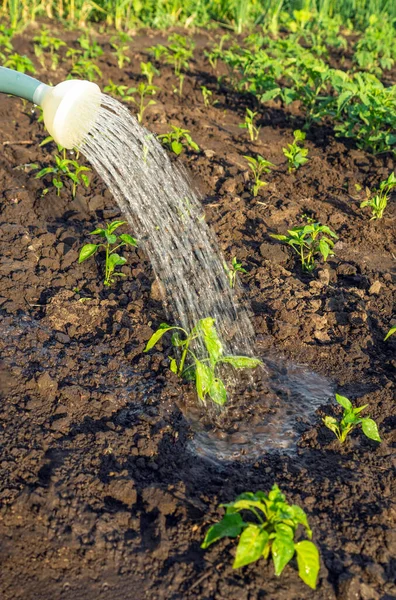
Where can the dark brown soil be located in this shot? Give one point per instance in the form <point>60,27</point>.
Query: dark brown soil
<point>102,494</point>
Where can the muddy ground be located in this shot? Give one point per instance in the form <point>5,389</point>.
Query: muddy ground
<point>102,493</point>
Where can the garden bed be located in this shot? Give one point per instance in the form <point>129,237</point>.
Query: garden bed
<point>105,492</point>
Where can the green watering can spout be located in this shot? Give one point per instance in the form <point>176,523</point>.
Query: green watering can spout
<point>70,109</point>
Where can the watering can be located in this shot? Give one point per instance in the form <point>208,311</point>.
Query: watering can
<point>69,109</point>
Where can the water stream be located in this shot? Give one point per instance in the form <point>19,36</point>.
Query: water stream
<point>167,218</point>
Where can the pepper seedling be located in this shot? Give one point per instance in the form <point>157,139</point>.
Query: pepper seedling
<point>258,166</point>
<point>232,270</point>
<point>203,338</point>
<point>177,139</point>
<point>309,241</point>
<point>296,155</point>
<point>350,420</point>
<point>248,124</point>
<point>113,259</point>
<point>379,201</point>
<point>268,528</point>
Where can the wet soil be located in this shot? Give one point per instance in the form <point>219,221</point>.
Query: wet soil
<point>105,491</point>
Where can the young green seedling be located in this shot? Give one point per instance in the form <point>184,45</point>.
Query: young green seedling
<point>19,63</point>
<point>259,166</point>
<point>295,154</point>
<point>91,48</point>
<point>142,90</point>
<point>84,68</point>
<point>202,339</point>
<point>45,41</point>
<point>122,91</point>
<point>232,270</point>
<point>391,331</point>
<point>177,139</point>
<point>379,201</point>
<point>120,52</point>
<point>254,131</point>
<point>350,420</point>
<point>148,70</point>
<point>309,241</point>
<point>113,259</point>
<point>206,94</point>
<point>267,528</point>
<point>64,168</point>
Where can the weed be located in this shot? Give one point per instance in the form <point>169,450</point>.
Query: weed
<point>177,139</point>
<point>64,168</point>
<point>232,270</point>
<point>258,166</point>
<point>309,241</point>
<point>250,126</point>
<point>268,528</point>
<point>296,155</point>
<point>113,259</point>
<point>379,200</point>
<point>204,338</point>
<point>350,420</point>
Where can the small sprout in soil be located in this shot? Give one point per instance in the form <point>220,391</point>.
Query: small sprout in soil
<point>258,166</point>
<point>64,168</point>
<point>148,70</point>
<point>204,339</point>
<point>84,68</point>
<point>296,155</point>
<point>19,63</point>
<point>45,41</point>
<point>391,331</point>
<point>379,201</point>
<point>232,270</point>
<point>120,50</point>
<point>113,259</point>
<point>268,529</point>
<point>253,131</point>
<point>143,90</point>
<point>91,48</point>
<point>350,419</point>
<point>206,94</point>
<point>122,91</point>
<point>177,139</point>
<point>309,241</point>
<point>74,55</point>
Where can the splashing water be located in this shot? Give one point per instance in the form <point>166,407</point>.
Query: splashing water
<point>168,220</point>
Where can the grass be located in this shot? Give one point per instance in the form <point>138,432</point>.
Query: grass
<point>236,15</point>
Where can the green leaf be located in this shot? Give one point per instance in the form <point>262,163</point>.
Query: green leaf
<point>98,231</point>
<point>324,249</point>
<point>241,362</point>
<point>116,260</point>
<point>345,403</point>
<point>218,392</point>
<point>370,429</point>
<point>251,546</point>
<point>391,331</point>
<point>308,562</point>
<point>211,339</point>
<point>204,376</point>
<point>163,328</point>
<point>173,366</point>
<point>110,237</point>
<point>114,225</point>
<point>128,239</point>
<point>177,147</point>
<point>282,551</point>
<point>230,526</point>
<point>87,251</point>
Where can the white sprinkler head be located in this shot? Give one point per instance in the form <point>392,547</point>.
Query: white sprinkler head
<point>70,110</point>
